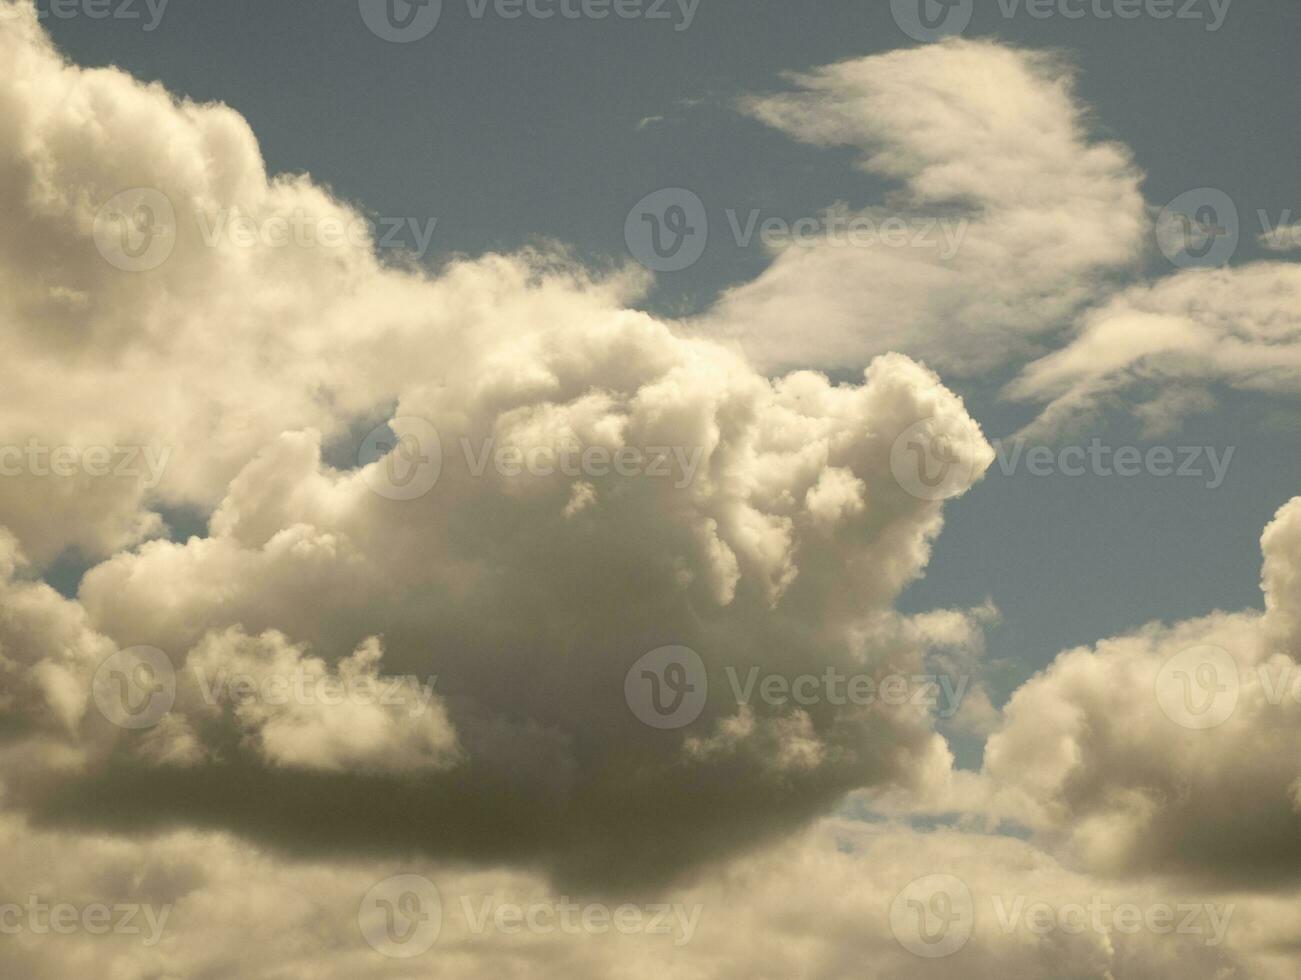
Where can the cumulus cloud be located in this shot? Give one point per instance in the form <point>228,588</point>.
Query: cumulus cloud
<point>755,520</point>
<point>363,678</point>
<point>1173,749</point>
<point>831,902</point>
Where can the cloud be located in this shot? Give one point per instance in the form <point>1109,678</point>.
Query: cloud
<point>824,904</point>
<point>984,139</point>
<point>359,681</point>
<point>1173,749</point>
<point>760,524</point>
<point>1238,327</point>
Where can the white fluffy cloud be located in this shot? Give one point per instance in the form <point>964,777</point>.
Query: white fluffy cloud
<point>775,532</point>
<point>1238,327</point>
<point>991,142</point>
<point>462,654</point>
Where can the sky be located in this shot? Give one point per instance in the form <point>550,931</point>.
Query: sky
<point>510,132</point>
<point>961,359</point>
